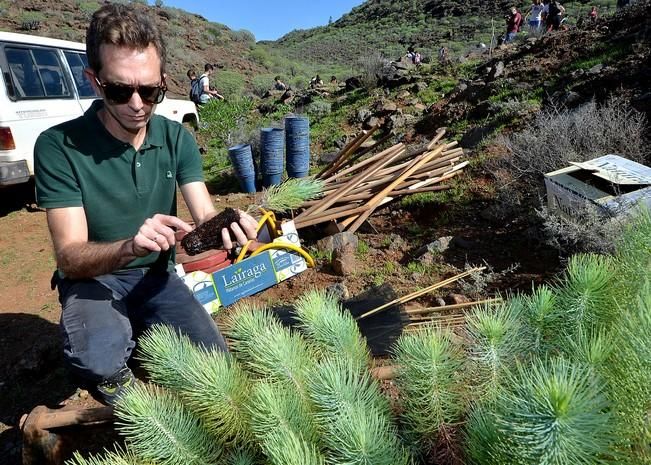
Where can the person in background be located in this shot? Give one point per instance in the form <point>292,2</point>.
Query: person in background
<point>206,92</point>
<point>279,85</point>
<point>554,14</point>
<point>513,23</point>
<point>535,15</point>
<point>316,81</point>
<point>594,14</point>
<point>107,181</point>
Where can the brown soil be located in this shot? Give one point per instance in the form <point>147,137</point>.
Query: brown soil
<point>31,367</point>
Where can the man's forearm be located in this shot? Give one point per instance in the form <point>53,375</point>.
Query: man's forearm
<point>89,259</point>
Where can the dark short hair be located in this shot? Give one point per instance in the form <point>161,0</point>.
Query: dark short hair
<point>277,78</point>
<point>123,26</point>
<point>208,67</point>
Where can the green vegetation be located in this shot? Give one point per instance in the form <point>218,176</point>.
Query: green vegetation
<point>562,376</point>
<point>601,54</point>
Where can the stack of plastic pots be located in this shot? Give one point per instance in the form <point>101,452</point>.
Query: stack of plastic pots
<point>297,132</point>
<point>242,160</point>
<point>272,155</point>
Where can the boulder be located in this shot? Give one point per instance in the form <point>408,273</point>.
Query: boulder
<point>371,121</point>
<point>339,290</point>
<point>496,71</point>
<point>363,114</point>
<point>353,83</point>
<point>344,262</point>
<point>338,242</point>
<point>439,245</point>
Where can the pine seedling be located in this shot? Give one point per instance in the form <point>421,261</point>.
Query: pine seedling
<point>553,412</point>
<point>266,348</point>
<point>242,456</point>
<point>287,196</point>
<point>164,354</point>
<point>283,424</point>
<point>160,429</point>
<point>496,339</point>
<point>117,457</point>
<point>330,329</point>
<point>587,294</point>
<point>483,444</point>
<point>290,194</point>
<point>353,416</point>
<point>633,254</point>
<point>628,372</point>
<point>210,383</point>
<point>544,320</point>
<point>429,381</point>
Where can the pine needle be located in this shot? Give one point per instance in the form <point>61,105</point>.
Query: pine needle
<point>354,416</point>
<point>211,383</point>
<point>331,330</point>
<point>283,424</point>
<point>429,381</point>
<point>267,349</point>
<point>290,194</point>
<point>555,413</point>
<point>496,339</point>
<point>117,457</point>
<point>159,428</point>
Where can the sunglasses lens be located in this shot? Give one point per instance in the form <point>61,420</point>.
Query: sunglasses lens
<point>120,94</point>
<point>151,94</point>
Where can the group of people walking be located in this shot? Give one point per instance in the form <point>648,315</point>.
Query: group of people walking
<point>543,15</point>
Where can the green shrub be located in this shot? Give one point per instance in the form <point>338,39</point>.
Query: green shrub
<point>230,84</point>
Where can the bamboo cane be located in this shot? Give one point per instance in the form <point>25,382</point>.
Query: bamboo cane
<point>414,295</point>
<point>443,308</point>
<point>345,223</point>
<point>346,152</point>
<point>331,199</point>
<point>322,218</point>
<point>376,200</point>
<point>446,154</point>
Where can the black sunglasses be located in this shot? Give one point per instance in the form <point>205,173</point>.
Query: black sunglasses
<point>121,93</point>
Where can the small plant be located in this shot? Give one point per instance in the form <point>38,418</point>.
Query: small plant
<point>429,381</point>
<point>363,248</point>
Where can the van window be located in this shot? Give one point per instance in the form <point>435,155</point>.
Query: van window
<point>77,63</point>
<point>36,73</point>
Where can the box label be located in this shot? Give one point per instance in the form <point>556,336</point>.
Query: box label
<point>245,278</point>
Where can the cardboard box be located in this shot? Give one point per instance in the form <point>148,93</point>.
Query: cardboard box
<point>611,183</point>
<point>250,276</point>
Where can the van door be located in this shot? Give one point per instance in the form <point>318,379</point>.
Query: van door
<point>41,95</point>
<point>77,62</point>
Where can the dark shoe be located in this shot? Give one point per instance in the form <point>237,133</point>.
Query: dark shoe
<point>112,388</point>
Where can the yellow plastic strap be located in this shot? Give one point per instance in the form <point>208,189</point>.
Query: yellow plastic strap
<point>267,217</point>
<point>280,245</point>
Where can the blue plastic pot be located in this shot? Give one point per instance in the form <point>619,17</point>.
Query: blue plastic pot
<point>242,160</point>
<point>272,155</point>
<point>297,130</point>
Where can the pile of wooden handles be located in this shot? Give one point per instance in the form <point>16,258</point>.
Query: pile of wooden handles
<point>354,190</point>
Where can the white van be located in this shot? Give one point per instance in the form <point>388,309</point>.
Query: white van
<point>43,84</point>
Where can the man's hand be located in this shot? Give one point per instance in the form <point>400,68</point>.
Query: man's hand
<point>245,230</point>
<point>156,234</point>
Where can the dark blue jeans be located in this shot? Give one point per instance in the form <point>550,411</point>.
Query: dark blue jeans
<point>102,317</point>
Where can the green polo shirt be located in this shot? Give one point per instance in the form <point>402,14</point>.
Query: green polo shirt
<point>80,164</point>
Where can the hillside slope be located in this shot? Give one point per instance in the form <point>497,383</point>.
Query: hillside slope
<point>191,40</point>
<point>390,26</point>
